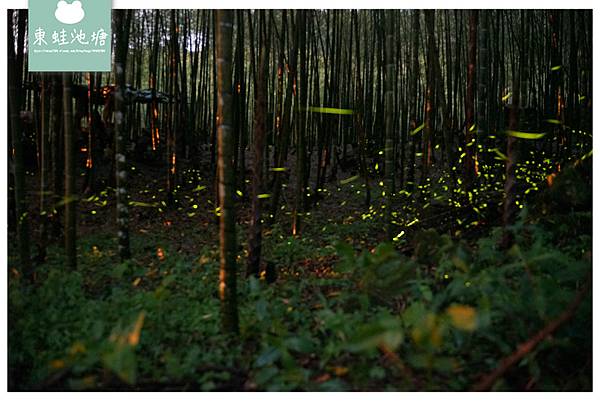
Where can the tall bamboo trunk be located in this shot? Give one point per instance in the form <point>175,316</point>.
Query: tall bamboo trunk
<point>389,125</point>
<point>260,128</point>
<point>470,127</point>
<point>300,124</point>
<point>45,100</point>
<point>414,79</point>
<point>14,102</point>
<point>286,124</point>
<point>510,208</point>
<point>225,172</point>
<point>122,29</point>
<point>70,174</point>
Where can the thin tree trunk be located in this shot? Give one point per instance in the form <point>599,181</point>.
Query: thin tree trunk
<point>286,122</point>
<point>429,94</point>
<point>260,128</point>
<point>510,208</point>
<point>70,174</point>
<point>44,167</point>
<point>226,179</point>
<point>300,124</point>
<point>414,79</point>
<point>14,91</point>
<point>389,125</point>
<point>122,30</point>
<point>470,101</point>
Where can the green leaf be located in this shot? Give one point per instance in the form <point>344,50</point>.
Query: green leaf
<point>344,250</point>
<point>300,344</point>
<point>385,332</point>
<point>265,375</point>
<point>269,356</point>
<point>444,364</point>
<point>121,360</point>
<point>254,285</point>
<point>413,314</point>
<point>377,373</point>
<point>333,385</point>
<point>262,309</point>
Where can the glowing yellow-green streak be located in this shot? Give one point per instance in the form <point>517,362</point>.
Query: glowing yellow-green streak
<point>525,135</point>
<point>330,110</point>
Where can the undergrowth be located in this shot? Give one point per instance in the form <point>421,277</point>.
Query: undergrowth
<point>342,316</point>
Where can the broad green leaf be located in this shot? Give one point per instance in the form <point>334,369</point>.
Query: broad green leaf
<point>121,361</point>
<point>269,356</point>
<point>300,344</point>
<point>385,332</point>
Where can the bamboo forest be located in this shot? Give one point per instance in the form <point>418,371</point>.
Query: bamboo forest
<point>305,200</point>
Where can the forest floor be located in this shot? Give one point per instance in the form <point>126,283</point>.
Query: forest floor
<point>435,309</point>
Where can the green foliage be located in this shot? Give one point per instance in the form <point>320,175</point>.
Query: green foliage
<point>381,273</point>
<point>376,319</point>
<point>479,305</point>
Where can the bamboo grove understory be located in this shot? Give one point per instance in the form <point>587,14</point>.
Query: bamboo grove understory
<point>273,106</point>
